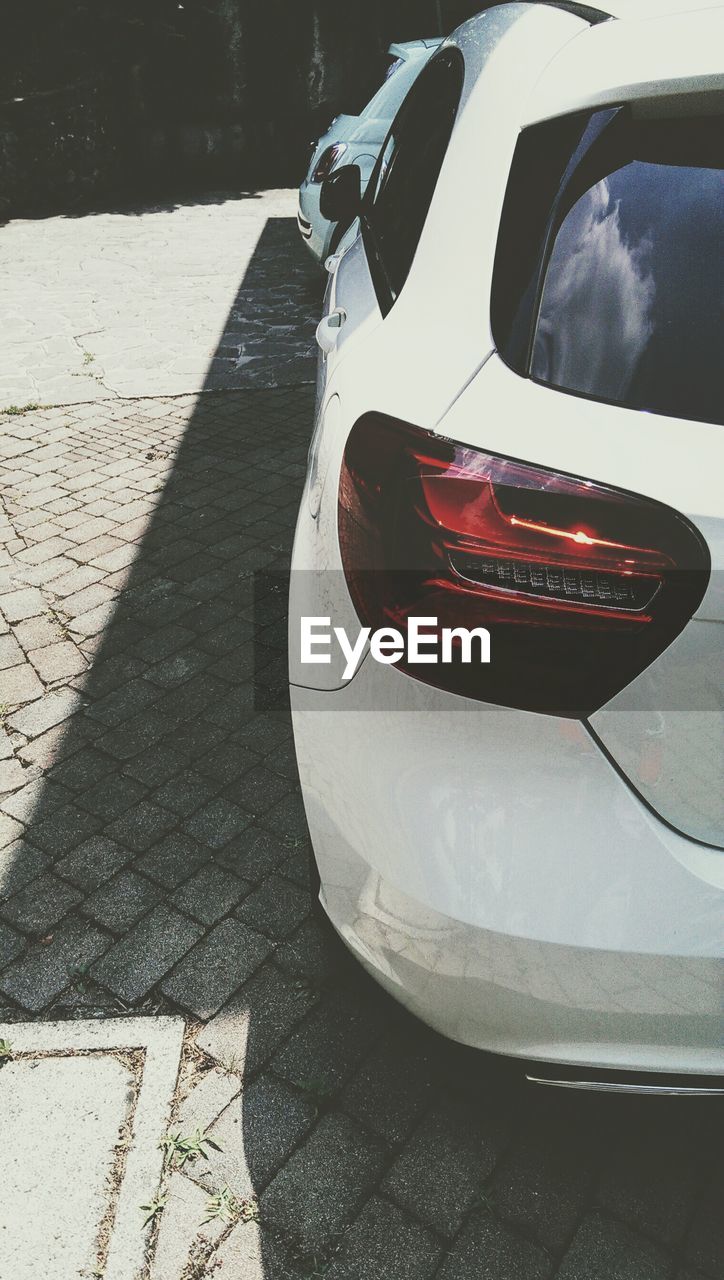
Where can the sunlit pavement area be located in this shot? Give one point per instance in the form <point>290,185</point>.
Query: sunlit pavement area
<point>154,849</point>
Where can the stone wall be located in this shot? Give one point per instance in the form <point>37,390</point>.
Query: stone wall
<point>116,99</point>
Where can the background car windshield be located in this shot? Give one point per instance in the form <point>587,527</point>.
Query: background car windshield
<point>631,301</point>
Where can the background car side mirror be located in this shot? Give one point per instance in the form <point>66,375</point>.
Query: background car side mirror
<point>341,195</point>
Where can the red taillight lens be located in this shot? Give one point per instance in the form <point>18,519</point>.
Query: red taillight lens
<point>581,585</point>
<point>327,161</point>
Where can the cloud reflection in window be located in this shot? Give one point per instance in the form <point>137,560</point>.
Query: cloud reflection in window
<point>596,310</point>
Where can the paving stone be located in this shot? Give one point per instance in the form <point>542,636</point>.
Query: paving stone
<point>155,765</point>
<point>92,862</point>
<point>254,854</point>
<point>208,1097</point>
<point>142,826</point>
<point>184,793</point>
<point>172,860</point>
<point>249,1253</point>
<point>210,894</point>
<point>10,654</point>
<point>485,1250</point>
<point>19,864</point>
<point>313,953</point>
<point>392,1086</point>
<point>226,763</point>
<point>20,684</point>
<point>219,964</point>
<point>44,714</point>
<point>58,661</point>
<point>324,1051</point>
<point>40,905</point>
<point>46,969</point>
<point>12,776</point>
<point>440,1173</point>
<point>120,902</point>
<point>135,735</point>
<point>547,1177</point>
<point>383,1242</point>
<point>257,790</point>
<point>705,1241</point>
<point>11,944</point>
<point>217,823</point>
<point>606,1250</point>
<point>75,580</point>
<point>288,818</point>
<point>60,1120</point>
<point>649,1179</point>
<point>18,605</point>
<point>63,829</point>
<point>39,632</point>
<point>319,1189</point>
<point>135,964</point>
<point>182,1228</point>
<point>112,796</point>
<point>83,769</point>
<point>296,868</point>
<point>275,908</point>
<point>39,798</point>
<point>262,734</point>
<point>246,1031</point>
<point>122,703</point>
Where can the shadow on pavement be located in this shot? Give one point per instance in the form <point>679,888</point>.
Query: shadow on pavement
<point>170,849</point>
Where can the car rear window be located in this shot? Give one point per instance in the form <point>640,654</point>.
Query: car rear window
<point>609,275</point>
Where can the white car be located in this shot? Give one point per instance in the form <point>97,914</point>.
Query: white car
<point>520,430</point>
<point>357,140</point>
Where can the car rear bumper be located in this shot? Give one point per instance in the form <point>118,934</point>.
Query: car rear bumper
<point>538,911</point>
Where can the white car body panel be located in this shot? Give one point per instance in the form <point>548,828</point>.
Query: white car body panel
<point>495,869</point>
<point>623,61</point>
<point>473,874</point>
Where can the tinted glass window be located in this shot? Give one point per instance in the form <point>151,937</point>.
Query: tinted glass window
<point>626,300</point>
<point>403,182</point>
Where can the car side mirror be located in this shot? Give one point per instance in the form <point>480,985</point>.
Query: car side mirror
<point>341,195</point>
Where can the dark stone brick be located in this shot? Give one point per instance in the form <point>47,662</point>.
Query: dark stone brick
<point>45,970</point>
<point>275,908</point>
<point>319,1189</point>
<point>210,894</point>
<point>142,826</point>
<point>135,964</point>
<point>440,1174</point>
<point>247,1030</point>
<point>92,862</point>
<point>40,904</point>
<point>219,964</point>
<point>383,1242</point>
<point>122,901</point>
<point>605,1250</point>
<point>63,830</point>
<point>172,860</point>
<point>217,823</point>
<point>485,1250</point>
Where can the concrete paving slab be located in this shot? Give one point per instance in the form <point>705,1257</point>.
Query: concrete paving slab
<point>60,1119</point>
<point>65,1099</point>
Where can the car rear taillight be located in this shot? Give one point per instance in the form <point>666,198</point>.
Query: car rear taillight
<point>327,161</point>
<point>580,585</point>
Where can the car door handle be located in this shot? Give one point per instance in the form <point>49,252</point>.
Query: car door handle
<point>328,329</point>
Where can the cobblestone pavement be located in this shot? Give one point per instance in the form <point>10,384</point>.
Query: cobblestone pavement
<point>153,857</point>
